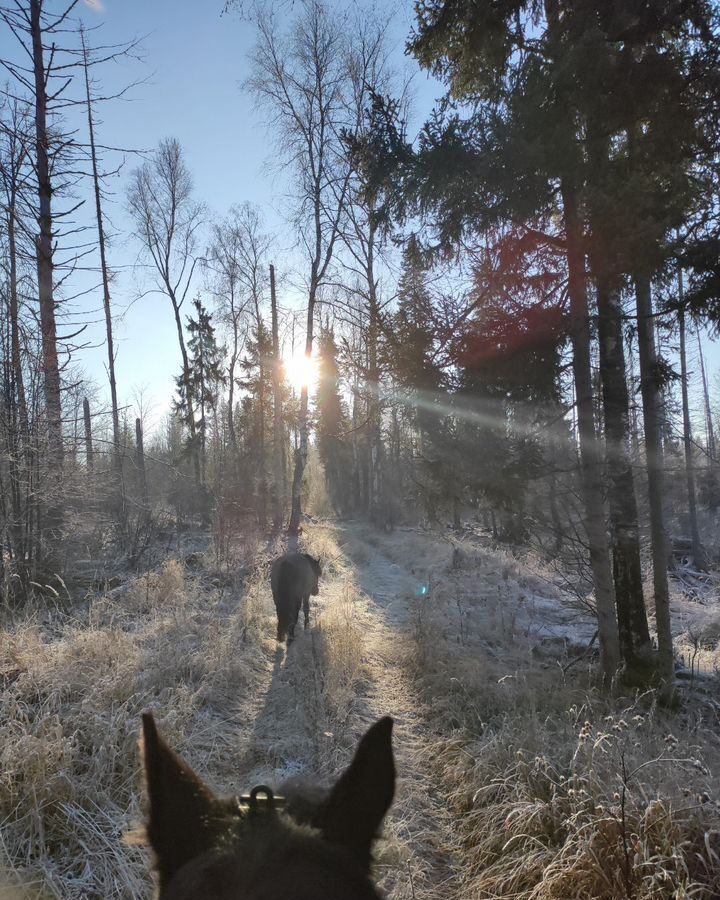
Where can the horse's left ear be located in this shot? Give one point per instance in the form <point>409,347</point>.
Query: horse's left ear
<point>182,809</point>
<point>357,804</point>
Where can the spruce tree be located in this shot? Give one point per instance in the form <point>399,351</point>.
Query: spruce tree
<point>411,349</point>
<point>333,424</point>
<point>255,419</point>
<point>205,377</point>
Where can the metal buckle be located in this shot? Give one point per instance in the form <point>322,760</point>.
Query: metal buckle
<point>261,797</point>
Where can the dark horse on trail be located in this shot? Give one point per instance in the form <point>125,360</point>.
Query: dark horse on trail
<point>293,578</point>
<point>307,845</point>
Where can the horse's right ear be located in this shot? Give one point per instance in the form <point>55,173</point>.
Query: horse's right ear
<point>182,809</point>
<point>357,804</point>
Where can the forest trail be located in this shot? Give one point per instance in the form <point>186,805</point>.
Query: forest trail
<point>311,704</point>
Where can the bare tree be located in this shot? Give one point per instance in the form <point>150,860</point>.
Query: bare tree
<point>42,75</point>
<point>160,199</point>
<point>300,77</point>
<point>278,430</point>
<point>239,254</point>
<point>117,452</point>
<point>45,82</point>
<point>252,247</point>
<point>709,427</point>
<point>224,262</point>
<point>15,175</point>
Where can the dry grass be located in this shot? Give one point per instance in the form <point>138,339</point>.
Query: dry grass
<point>558,793</point>
<point>72,686</point>
<point>585,804</point>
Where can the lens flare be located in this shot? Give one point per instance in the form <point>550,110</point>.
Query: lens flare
<point>301,371</point>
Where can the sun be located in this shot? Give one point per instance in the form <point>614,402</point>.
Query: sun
<point>301,372</point>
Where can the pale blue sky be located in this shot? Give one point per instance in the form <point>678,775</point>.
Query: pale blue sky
<point>196,60</point>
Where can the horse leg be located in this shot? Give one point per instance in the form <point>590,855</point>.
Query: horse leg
<point>293,620</point>
<point>280,624</point>
<point>306,609</point>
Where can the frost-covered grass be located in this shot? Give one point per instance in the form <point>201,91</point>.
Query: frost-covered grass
<point>73,686</point>
<point>555,792</point>
<point>558,792</point>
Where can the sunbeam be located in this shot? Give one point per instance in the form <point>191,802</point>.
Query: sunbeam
<point>463,408</point>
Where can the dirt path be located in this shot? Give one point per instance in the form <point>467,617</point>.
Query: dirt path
<point>308,707</point>
<point>420,819</point>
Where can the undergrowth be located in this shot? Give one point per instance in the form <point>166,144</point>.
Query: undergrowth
<point>559,792</point>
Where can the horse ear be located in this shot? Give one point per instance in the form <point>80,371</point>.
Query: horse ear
<point>181,806</point>
<point>357,804</point>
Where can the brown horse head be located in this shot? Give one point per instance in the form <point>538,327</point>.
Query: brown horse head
<point>313,847</point>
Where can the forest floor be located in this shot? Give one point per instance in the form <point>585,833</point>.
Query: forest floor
<point>515,778</point>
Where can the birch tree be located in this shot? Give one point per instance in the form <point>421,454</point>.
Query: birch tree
<point>167,218</point>
<point>239,253</point>
<point>299,76</point>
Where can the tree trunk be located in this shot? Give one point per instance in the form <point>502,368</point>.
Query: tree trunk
<point>301,454</point>
<point>262,467</point>
<point>375,445</point>
<point>231,399</point>
<point>278,441</point>
<point>88,437</point>
<point>698,551</point>
<point>632,616</point>
<point>710,430</point>
<point>355,443</point>
<point>140,459</point>
<point>375,467</point>
<point>555,518</point>
<point>634,423</point>
<point>20,455</point>
<point>655,474</point>
<point>117,447</point>
<point>44,252</point>
<point>15,324</point>
<point>590,456</point>
<point>262,463</point>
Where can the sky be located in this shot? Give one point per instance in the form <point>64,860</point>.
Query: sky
<point>195,62</point>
